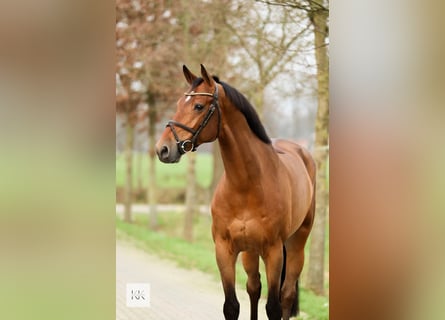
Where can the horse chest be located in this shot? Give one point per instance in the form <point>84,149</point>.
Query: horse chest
<point>246,235</point>
<point>246,221</point>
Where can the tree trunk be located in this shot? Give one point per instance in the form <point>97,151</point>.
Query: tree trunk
<point>129,169</point>
<point>258,98</point>
<point>317,247</point>
<point>190,199</point>
<point>151,186</point>
<point>139,156</point>
<point>218,167</point>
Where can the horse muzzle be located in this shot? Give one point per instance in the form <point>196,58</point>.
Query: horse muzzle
<point>168,153</point>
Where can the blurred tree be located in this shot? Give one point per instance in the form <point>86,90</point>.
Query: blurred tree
<point>127,104</point>
<point>218,167</point>
<point>151,185</point>
<point>153,39</point>
<point>146,33</point>
<point>270,39</point>
<point>190,196</point>
<point>318,14</point>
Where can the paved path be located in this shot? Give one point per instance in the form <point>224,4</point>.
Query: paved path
<point>143,208</point>
<point>176,294</point>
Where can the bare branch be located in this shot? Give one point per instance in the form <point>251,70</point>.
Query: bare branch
<point>278,60</point>
<point>309,7</point>
<point>241,40</point>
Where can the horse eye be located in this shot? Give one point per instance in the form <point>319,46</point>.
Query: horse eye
<point>198,107</point>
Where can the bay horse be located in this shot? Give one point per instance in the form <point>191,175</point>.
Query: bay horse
<point>264,202</point>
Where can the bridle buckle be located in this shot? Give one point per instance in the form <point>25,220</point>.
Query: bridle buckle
<point>183,146</point>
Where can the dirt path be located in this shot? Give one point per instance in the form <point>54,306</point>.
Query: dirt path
<point>175,293</point>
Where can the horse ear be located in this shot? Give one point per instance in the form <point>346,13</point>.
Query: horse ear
<point>205,76</point>
<point>189,76</point>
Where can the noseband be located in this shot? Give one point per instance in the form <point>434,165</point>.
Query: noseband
<point>187,145</point>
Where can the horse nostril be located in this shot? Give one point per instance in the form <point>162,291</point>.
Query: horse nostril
<point>165,152</point>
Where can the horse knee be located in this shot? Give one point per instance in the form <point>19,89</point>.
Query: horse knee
<point>231,308</point>
<point>254,287</point>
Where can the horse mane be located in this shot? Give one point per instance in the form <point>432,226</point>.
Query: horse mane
<point>243,105</point>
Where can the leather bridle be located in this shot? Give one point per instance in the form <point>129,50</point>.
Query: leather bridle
<point>188,145</point>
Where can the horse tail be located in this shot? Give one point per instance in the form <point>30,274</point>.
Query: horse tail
<point>283,271</point>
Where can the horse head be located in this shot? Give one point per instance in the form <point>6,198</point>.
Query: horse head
<point>197,119</point>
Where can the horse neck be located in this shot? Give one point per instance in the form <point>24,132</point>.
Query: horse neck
<point>244,154</point>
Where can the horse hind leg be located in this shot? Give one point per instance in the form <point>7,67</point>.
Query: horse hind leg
<point>294,265</point>
<point>289,290</point>
<point>251,266</point>
<point>273,260</point>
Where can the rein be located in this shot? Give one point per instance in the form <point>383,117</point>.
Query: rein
<point>188,145</point>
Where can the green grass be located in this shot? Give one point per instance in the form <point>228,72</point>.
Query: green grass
<point>168,175</point>
<point>167,243</point>
<point>190,256</point>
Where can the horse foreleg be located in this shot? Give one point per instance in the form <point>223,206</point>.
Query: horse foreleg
<point>251,265</point>
<point>273,259</point>
<point>226,259</point>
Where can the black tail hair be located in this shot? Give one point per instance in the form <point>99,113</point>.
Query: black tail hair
<point>296,305</point>
<point>283,271</point>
